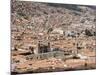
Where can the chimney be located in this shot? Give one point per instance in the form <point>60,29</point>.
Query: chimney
<point>39,47</point>
<point>49,47</point>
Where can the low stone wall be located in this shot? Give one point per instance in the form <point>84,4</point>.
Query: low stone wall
<point>55,54</point>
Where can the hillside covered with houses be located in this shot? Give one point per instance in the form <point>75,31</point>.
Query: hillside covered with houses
<point>45,35</point>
